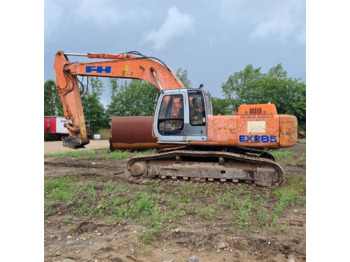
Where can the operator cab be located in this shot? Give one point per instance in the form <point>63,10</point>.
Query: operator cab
<point>181,115</point>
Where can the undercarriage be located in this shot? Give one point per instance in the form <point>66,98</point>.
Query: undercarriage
<point>241,165</point>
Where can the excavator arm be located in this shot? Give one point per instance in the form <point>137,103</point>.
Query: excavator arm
<point>131,65</point>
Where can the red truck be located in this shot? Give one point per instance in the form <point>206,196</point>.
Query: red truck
<point>55,125</point>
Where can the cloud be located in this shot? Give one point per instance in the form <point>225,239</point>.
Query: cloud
<point>100,13</point>
<point>283,21</point>
<point>286,22</point>
<point>175,25</point>
<point>279,26</point>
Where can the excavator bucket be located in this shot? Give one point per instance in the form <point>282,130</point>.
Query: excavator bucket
<point>72,142</point>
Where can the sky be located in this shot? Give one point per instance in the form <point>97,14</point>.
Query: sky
<point>210,39</point>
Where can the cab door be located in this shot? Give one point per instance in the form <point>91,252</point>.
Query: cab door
<point>196,127</point>
<point>169,119</point>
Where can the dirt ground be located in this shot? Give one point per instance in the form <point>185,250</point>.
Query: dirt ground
<point>75,238</point>
<point>51,147</point>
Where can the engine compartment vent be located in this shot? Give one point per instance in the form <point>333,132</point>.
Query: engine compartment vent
<point>255,111</point>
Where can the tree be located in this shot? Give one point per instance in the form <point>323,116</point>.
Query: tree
<point>52,100</point>
<point>250,86</point>
<point>137,97</point>
<point>92,107</point>
<point>221,106</point>
<point>132,98</point>
<point>237,82</point>
<point>183,76</point>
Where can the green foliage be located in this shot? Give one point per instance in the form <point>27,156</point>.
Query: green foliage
<point>92,107</point>
<point>250,86</point>
<point>48,210</point>
<point>142,203</point>
<point>291,195</point>
<point>72,228</point>
<point>243,213</point>
<point>146,152</point>
<point>283,156</point>
<point>95,86</point>
<point>52,100</point>
<point>237,82</point>
<point>99,153</point>
<point>61,189</point>
<point>115,155</point>
<point>209,212</point>
<point>222,106</point>
<point>76,153</point>
<point>183,76</point>
<point>136,98</point>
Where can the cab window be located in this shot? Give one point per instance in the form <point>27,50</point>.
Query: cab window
<point>197,109</point>
<point>171,115</point>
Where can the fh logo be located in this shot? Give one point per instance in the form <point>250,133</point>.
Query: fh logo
<point>98,69</point>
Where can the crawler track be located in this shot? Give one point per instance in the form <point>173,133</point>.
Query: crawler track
<point>208,167</point>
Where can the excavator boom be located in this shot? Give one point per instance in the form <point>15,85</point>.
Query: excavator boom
<point>125,65</point>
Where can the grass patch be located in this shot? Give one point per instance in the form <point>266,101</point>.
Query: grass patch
<point>146,152</point>
<point>157,206</point>
<point>243,213</point>
<point>209,212</point>
<point>71,228</point>
<point>75,153</point>
<point>283,156</point>
<point>98,200</point>
<point>48,210</point>
<point>103,153</point>
<point>115,155</point>
<point>290,194</point>
<point>301,160</point>
<point>60,189</point>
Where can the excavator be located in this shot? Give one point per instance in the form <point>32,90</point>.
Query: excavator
<point>192,144</point>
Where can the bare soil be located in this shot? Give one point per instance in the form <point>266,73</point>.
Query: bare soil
<point>77,238</point>
<point>51,147</point>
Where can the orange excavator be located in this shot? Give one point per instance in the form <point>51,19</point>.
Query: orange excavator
<point>192,143</point>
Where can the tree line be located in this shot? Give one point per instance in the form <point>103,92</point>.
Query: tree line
<point>138,97</point>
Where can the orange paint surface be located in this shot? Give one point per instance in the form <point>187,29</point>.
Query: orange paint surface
<point>226,130</point>
<point>222,129</point>
<point>288,130</point>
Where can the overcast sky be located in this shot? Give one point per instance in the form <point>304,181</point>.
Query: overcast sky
<point>210,39</point>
